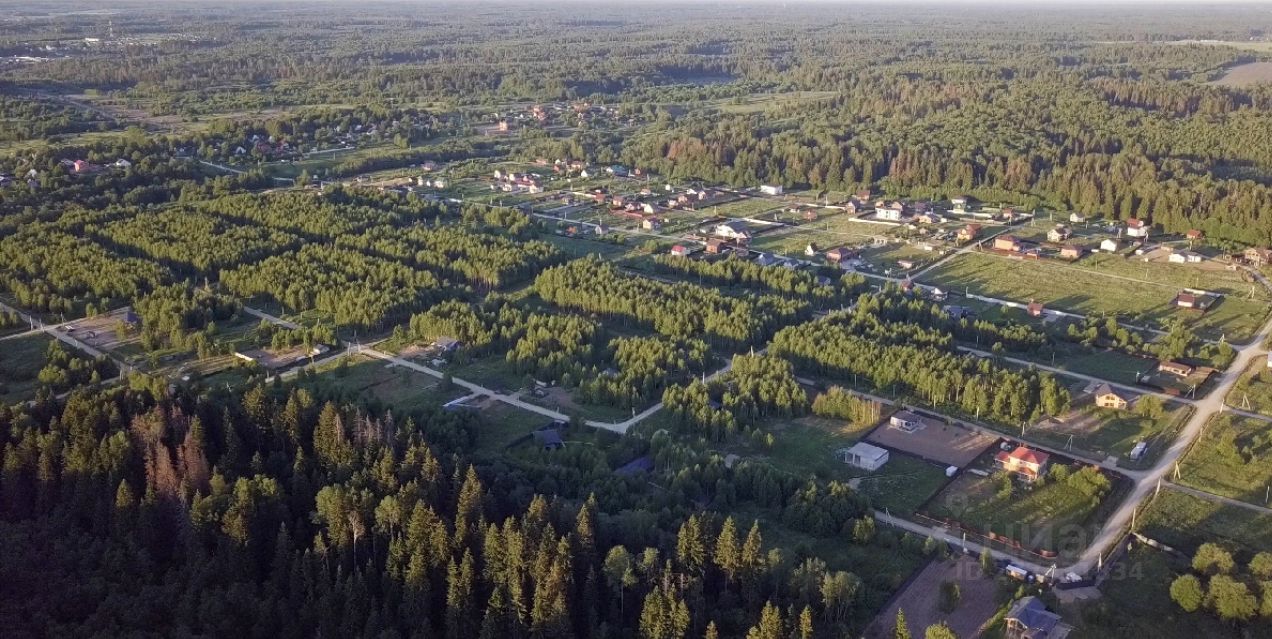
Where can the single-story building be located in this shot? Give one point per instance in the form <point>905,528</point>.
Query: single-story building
<point>1110,245</point>
<point>969,232</point>
<point>1174,368</point>
<point>1059,234</point>
<point>733,230</point>
<point>766,259</point>
<point>680,250</point>
<point>907,421</point>
<point>1035,309</point>
<point>1077,218</point>
<point>771,189</point>
<point>1194,234</point>
<point>1071,252</point>
<point>863,455</point>
<point>1185,257</point>
<point>715,246</point>
<point>1136,228</point>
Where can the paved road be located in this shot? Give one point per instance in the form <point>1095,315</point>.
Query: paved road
<point>943,534</point>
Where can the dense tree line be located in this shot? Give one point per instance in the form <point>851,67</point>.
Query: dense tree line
<point>846,349</point>
<point>354,289</point>
<point>755,387</point>
<point>26,119</point>
<point>733,271</point>
<point>181,316</point>
<point>675,310</point>
<point>49,270</point>
<point>482,259</point>
<point>278,514</point>
<point>643,368</point>
<point>195,242</point>
<point>319,215</point>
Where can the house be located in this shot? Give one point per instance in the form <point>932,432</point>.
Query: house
<point>651,224</point>
<point>1185,257</point>
<point>1007,214</point>
<point>905,264</point>
<point>771,189</point>
<point>121,163</point>
<point>1188,300</point>
<point>929,217</point>
<point>549,437</point>
<point>1194,234</point>
<point>840,254</point>
<point>1059,234</point>
<point>1258,256</point>
<point>1026,463</point>
<point>959,203</point>
<point>733,230</point>
<point>766,259</point>
<point>892,212</point>
<point>1035,309</point>
<point>1174,368</point>
<point>1109,245</point>
<point>446,344</point>
<point>1106,397</point>
<point>907,421</point>
<point>969,232</point>
<point>1077,218</point>
<point>680,250</point>
<point>649,208</point>
<point>810,250</point>
<point>1030,619</point>
<point>715,247</point>
<point>863,455</point>
<point>1007,243</point>
<point>1071,252</point>
<point>1136,228</point>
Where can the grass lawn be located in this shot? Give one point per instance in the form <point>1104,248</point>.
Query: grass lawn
<point>1112,365</point>
<point>1232,458</point>
<point>20,362</point>
<point>1185,522</point>
<point>579,246</point>
<point>1086,290</point>
<point>1254,387</point>
<point>1099,433</point>
<point>502,425</point>
<point>402,389</point>
<point>1137,603</point>
<point>805,447</point>
<point>1054,516</point>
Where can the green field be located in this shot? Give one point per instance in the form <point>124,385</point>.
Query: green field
<point>399,388</point>
<point>1185,522</point>
<point>20,362</point>
<point>1102,287</point>
<point>1232,458</point>
<point>806,447</point>
<point>1253,392</point>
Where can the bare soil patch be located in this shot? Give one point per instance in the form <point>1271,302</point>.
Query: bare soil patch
<point>949,444</point>
<point>921,600</point>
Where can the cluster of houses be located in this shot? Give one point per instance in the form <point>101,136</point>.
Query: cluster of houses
<point>84,167</point>
<point>512,182</point>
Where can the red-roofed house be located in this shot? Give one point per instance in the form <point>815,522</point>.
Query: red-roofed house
<point>1025,463</point>
<point>680,251</point>
<point>1136,228</point>
<point>1195,234</point>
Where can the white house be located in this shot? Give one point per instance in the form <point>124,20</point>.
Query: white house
<point>771,189</point>
<point>1109,245</point>
<point>890,212</point>
<point>863,455</point>
<point>1185,257</point>
<point>1136,228</point>
<point>1077,218</point>
<point>733,230</point>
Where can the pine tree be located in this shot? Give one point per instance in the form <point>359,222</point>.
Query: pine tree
<point>727,554</point>
<point>691,547</point>
<point>902,629</point>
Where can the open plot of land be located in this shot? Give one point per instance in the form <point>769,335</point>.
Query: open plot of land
<point>1086,290</point>
<point>1099,433</point>
<point>20,362</point>
<point>807,446</point>
<point>1248,74</point>
<point>400,388</point>
<point>1052,517</point>
<point>502,425</point>
<point>1184,522</point>
<point>759,102</point>
<point>921,598</point>
<point>949,444</point>
<point>1232,458</point>
<point>1254,391</point>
